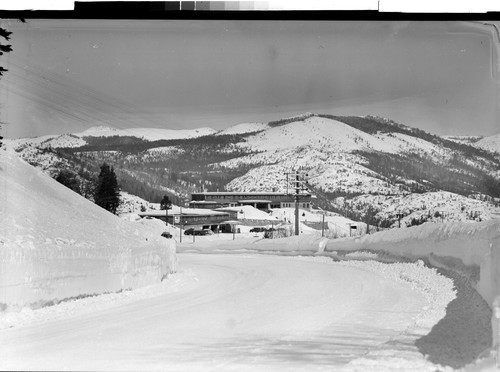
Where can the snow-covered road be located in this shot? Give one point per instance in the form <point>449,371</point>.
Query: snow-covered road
<point>229,312</point>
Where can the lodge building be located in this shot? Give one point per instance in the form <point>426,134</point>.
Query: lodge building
<point>259,200</point>
<point>189,217</point>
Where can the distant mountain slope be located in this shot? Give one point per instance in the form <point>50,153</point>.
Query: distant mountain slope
<point>344,157</point>
<point>317,132</point>
<point>243,128</point>
<point>491,143</point>
<point>72,140</point>
<point>64,140</point>
<point>149,134</point>
<point>468,140</point>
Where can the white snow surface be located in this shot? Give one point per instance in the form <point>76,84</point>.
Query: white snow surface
<point>64,140</point>
<point>55,244</point>
<point>249,212</point>
<point>132,204</point>
<point>433,206</point>
<point>150,134</point>
<point>76,139</point>
<point>315,131</point>
<point>468,140</point>
<point>243,312</point>
<point>472,250</point>
<point>472,244</point>
<point>163,151</point>
<point>324,148</point>
<point>490,143</point>
<point>405,143</point>
<point>228,308</point>
<point>243,128</point>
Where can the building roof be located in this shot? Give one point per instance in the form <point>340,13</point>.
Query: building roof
<point>254,201</point>
<point>185,212</point>
<point>234,193</point>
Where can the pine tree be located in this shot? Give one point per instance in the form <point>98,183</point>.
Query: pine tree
<point>165,203</point>
<point>107,192</point>
<point>68,179</point>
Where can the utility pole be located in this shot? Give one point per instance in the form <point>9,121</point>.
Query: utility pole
<point>323,226</point>
<point>297,182</point>
<point>400,215</point>
<point>297,198</point>
<point>180,225</point>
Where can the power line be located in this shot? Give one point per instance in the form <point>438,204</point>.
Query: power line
<point>55,92</point>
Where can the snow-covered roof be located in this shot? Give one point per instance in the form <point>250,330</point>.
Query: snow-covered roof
<point>185,212</point>
<point>235,193</point>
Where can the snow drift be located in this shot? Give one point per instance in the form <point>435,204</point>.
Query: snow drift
<point>55,244</point>
<point>471,250</point>
<point>469,253</point>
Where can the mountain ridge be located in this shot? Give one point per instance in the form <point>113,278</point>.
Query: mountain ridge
<point>345,157</point>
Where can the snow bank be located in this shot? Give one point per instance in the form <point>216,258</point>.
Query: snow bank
<point>469,253</point>
<point>470,250</point>
<point>305,244</point>
<point>54,244</point>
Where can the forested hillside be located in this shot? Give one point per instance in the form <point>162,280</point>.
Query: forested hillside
<point>346,158</point>
<point>151,169</point>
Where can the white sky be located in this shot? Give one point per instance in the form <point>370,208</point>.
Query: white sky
<point>66,76</point>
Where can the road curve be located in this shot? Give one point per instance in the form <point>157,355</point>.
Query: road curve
<point>235,312</point>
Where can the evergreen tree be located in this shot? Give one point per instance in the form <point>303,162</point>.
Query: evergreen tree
<point>107,191</point>
<point>68,179</point>
<point>165,203</point>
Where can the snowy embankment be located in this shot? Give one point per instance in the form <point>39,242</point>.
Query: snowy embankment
<point>469,249</point>
<point>467,252</point>
<point>55,245</point>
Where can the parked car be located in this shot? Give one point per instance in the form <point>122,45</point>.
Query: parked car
<point>257,229</point>
<point>192,231</point>
<point>166,234</point>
